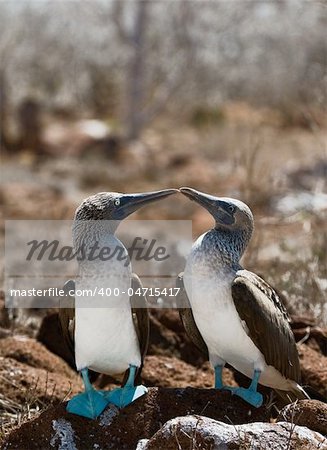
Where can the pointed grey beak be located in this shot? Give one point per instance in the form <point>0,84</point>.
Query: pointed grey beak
<point>208,201</point>
<point>130,203</point>
<point>214,205</point>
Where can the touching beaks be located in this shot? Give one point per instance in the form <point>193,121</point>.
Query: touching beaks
<point>130,203</point>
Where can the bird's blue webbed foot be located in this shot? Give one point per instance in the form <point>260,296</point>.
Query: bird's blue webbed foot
<point>250,394</point>
<point>252,397</point>
<point>90,404</point>
<point>122,397</point>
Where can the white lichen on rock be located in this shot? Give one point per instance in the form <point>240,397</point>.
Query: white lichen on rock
<point>141,445</point>
<point>219,435</point>
<point>108,415</point>
<point>64,437</point>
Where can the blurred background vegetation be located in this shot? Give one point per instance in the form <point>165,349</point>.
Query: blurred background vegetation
<point>225,96</point>
<point>128,61</point>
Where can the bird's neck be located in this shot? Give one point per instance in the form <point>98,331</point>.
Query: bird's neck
<point>222,248</point>
<point>89,231</point>
<point>96,245</point>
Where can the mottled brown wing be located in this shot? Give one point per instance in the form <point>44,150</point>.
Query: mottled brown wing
<point>67,316</point>
<point>187,318</point>
<point>267,322</point>
<point>141,318</point>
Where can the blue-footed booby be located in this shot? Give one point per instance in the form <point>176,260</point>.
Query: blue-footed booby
<point>104,332</point>
<point>235,316</point>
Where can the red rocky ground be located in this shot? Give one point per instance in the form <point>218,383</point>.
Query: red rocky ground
<point>181,379</point>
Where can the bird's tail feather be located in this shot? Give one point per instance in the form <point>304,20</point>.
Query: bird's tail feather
<point>297,393</point>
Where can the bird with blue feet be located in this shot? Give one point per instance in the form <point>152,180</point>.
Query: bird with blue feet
<point>233,315</point>
<point>106,326</point>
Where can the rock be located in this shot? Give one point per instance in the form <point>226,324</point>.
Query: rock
<point>140,420</point>
<point>31,386</point>
<point>313,369</point>
<point>31,375</point>
<point>168,337</point>
<point>163,341</point>
<point>28,351</point>
<point>202,432</point>
<point>64,437</point>
<point>301,321</point>
<point>167,371</point>
<point>306,329</point>
<point>171,372</point>
<point>51,336</point>
<point>307,413</point>
<point>169,318</point>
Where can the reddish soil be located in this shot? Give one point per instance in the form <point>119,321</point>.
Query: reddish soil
<point>30,352</point>
<point>31,375</point>
<point>149,413</point>
<point>30,386</point>
<point>38,374</point>
<point>171,372</point>
<point>34,375</point>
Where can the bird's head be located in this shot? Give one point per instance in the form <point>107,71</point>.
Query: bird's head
<point>117,206</point>
<point>101,213</point>
<point>230,215</point>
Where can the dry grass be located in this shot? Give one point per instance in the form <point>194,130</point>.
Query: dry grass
<point>13,414</point>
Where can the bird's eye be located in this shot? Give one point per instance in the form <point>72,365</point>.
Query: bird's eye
<point>117,202</point>
<point>231,208</point>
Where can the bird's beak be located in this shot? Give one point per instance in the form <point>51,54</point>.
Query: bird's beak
<point>209,202</point>
<point>214,205</point>
<point>130,203</point>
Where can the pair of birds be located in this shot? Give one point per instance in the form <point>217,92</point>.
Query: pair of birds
<point>234,317</point>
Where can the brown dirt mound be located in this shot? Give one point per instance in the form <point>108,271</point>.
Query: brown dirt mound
<point>51,336</point>
<point>31,376</point>
<point>172,372</point>
<point>307,413</point>
<point>28,351</point>
<point>168,338</point>
<point>304,327</point>
<point>115,430</point>
<point>313,369</point>
<point>29,385</point>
